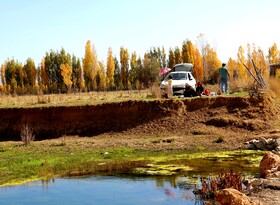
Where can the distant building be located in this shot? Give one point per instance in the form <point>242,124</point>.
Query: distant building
<point>273,68</point>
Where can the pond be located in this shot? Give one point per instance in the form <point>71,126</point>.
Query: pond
<point>122,189</point>
<point>103,190</point>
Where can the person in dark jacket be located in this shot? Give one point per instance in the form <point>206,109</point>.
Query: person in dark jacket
<point>199,89</point>
<point>189,91</point>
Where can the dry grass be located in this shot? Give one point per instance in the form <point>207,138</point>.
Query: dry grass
<point>73,98</point>
<point>90,98</point>
<point>273,85</point>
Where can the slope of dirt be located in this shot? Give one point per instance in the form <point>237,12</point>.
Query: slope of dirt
<point>191,123</point>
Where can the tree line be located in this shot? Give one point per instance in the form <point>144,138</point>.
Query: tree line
<point>60,72</point>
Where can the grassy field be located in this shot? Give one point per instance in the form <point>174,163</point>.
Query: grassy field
<point>67,157</point>
<point>90,98</point>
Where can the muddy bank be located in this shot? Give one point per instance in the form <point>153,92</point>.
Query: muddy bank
<point>53,122</point>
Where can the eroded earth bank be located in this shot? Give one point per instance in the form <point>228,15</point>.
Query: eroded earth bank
<point>206,123</point>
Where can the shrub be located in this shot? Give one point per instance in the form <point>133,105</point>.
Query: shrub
<point>26,134</point>
<point>222,181</point>
<point>219,140</point>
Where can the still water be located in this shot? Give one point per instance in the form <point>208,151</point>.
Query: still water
<point>99,190</point>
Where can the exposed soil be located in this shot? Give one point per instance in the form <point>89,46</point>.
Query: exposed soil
<point>211,123</point>
<point>206,123</point>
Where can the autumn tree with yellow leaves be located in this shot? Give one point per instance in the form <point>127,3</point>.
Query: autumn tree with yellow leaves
<point>124,58</point>
<point>257,57</point>
<point>242,72</point>
<point>88,67</point>
<point>198,71</point>
<point>211,64</point>
<point>110,69</point>
<point>66,72</point>
<point>187,54</point>
<point>232,66</point>
<point>273,54</point>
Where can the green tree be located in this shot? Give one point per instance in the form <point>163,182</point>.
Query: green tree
<point>52,63</point>
<point>29,73</point>
<point>3,74</point>
<point>139,74</point>
<point>151,68</point>
<point>76,73</point>
<point>171,59</point>
<point>177,54</point>
<point>13,75</point>
<point>102,77</point>
<point>133,69</point>
<point>163,58</point>
<point>117,75</point>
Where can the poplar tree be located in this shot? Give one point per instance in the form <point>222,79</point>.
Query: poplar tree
<point>177,54</point>
<point>66,72</point>
<point>117,75</point>
<point>44,76</point>
<point>29,73</point>
<point>242,73</point>
<point>171,59</point>
<point>198,71</point>
<point>124,58</point>
<point>110,69</point>
<point>212,64</point>
<point>273,54</point>
<point>139,73</point>
<point>96,68</point>
<point>187,55</point>
<point>151,68</point>
<point>133,71</point>
<point>13,75</point>
<point>102,76</point>
<point>3,74</point>
<point>76,73</point>
<point>88,67</point>
<point>259,60</point>
<point>163,58</point>
<point>232,66</point>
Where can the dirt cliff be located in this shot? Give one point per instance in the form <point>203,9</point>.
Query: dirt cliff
<point>155,116</point>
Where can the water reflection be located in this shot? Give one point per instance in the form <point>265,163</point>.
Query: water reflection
<point>103,190</point>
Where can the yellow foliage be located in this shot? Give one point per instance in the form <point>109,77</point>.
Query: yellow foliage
<point>66,72</point>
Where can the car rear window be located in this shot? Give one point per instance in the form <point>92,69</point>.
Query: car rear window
<point>179,76</point>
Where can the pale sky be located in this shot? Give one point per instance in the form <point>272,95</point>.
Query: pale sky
<point>30,28</point>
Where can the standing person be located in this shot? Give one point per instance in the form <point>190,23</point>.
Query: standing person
<point>223,76</point>
<point>169,87</point>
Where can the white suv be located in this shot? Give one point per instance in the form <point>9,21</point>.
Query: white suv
<point>181,76</point>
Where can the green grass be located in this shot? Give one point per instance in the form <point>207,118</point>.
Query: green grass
<point>39,160</point>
